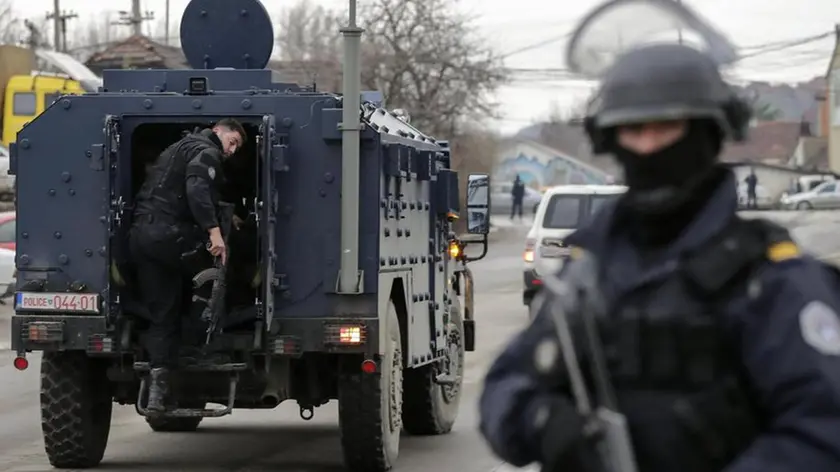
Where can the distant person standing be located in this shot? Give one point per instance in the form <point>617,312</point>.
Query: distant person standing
<point>518,193</point>
<point>752,182</point>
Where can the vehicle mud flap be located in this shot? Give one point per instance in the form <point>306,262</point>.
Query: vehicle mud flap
<point>232,369</point>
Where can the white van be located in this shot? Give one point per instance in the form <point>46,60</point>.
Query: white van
<point>562,211</point>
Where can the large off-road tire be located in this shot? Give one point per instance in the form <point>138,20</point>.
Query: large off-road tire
<point>370,406</point>
<point>428,407</point>
<point>76,403</point>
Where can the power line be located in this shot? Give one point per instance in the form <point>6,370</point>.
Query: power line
<point>787,45</point>
<point>531,47</point>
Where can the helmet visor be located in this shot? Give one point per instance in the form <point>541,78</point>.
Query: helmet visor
<point>618,26</point>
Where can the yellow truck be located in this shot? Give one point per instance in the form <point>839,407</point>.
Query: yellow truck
<point>26,91</point>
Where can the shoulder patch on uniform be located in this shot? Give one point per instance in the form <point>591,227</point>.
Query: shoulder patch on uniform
<point>576,252</point>
<point>782,251</point>
<point>820,327</point>
<point>211,172</point>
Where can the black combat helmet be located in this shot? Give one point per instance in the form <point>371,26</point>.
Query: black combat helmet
<point>666,82</point>
<point>660,82</point>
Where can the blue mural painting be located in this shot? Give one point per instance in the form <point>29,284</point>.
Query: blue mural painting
<point>541,169</point>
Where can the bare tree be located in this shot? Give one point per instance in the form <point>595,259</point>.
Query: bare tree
<point>474,150</point>
<point>426,57</point>
<point>309,45</point>
<point>421,54</point>
<point>13,30</point>
<point>308,32</point>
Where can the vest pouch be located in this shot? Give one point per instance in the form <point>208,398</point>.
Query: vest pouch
<point>720,419</point>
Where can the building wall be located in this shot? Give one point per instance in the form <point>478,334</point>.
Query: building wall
<point>824,117</point>
<point>540,166</point>
<point>775,181</point>
<point>833,105</point>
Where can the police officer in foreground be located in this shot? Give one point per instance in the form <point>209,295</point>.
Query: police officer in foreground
<point>719,340</point>
<point>176,210</point>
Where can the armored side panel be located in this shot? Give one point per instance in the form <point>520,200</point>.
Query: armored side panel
<point>414,232</point>
<point>64,174</point>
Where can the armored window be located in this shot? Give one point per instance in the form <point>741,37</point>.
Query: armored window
<point>7,232</point>
<point>563,212</point>
<point>25,104</point>
<point>50,98</point>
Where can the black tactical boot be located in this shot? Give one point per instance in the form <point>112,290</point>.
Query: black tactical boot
<point>158,389</point>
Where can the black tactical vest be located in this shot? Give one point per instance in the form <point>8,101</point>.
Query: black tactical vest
<point>163,194</point>
<point>673,357</point>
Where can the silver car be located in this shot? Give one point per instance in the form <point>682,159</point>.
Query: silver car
<point>7,182</point>
<point>501,200</point>
<point>822,197</point>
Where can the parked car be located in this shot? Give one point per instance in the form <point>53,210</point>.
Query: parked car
<point>7,273</point>
<point>563,210</point>
<point>7,182</point>
<point>8,229</point>
<point>501,200</point>
<point>822,197</point>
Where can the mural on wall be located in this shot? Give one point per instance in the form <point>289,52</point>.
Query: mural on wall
<point>542,169</point>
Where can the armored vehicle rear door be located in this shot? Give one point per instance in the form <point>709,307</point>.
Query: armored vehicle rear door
<point>266,217</point>
<point>66,208</point>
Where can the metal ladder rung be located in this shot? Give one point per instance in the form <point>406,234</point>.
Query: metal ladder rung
<point>186,412</point>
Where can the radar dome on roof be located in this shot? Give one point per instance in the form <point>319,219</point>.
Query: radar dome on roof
<point>227,33</point>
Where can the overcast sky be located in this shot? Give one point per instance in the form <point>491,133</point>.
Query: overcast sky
<point>513,25</point>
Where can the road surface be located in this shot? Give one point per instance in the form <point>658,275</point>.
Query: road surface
<point>279,440</point>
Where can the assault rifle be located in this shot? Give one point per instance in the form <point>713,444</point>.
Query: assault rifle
<point>215,309</point>
<point>576,295</point>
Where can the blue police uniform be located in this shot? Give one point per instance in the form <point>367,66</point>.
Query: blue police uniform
<point>779,339</point>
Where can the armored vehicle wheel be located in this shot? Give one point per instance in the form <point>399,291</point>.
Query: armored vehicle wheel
<point>175,425</point>
<point>428,407</point>
<point>76,404</point>
<point>370,407</point>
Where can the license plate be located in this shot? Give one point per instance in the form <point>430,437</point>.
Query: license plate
<point>57,302</point>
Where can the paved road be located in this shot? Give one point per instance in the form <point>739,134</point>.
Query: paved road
<point>278,440</point>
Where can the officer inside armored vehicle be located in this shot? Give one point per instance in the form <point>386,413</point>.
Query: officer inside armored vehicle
<point>176,211</point>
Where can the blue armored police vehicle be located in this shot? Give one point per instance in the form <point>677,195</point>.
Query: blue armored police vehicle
<point>347,285</point>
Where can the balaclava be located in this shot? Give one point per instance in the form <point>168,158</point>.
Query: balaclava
<point>667,188</point>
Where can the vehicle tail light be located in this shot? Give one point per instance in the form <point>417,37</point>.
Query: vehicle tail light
<point>530,243</point>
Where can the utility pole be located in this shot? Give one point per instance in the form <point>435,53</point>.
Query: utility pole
<point>60,25</point>
<point>135,18</point>
<point>166,24</point>
<point>679,29</point>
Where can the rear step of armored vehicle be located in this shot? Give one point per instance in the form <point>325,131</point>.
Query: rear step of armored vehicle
<point>231,369</point>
